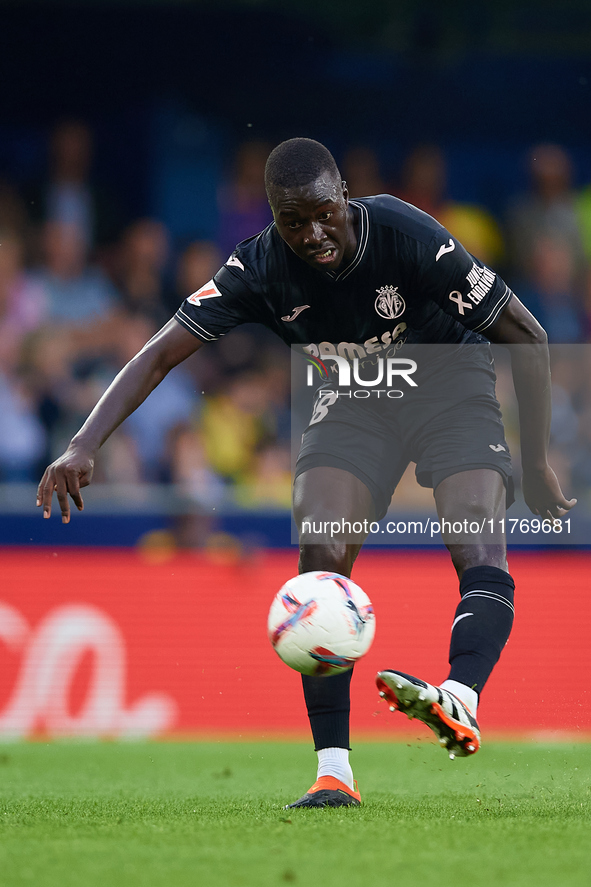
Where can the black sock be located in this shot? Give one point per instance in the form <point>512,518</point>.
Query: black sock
<point>482,625</point>
<point>328,701</point>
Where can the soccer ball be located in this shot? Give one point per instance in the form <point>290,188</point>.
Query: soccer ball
<point>321,623</point>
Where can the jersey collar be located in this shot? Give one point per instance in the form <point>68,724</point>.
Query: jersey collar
<point>362,241</point>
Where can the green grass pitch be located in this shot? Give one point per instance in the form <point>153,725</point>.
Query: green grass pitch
<point>210,815</point>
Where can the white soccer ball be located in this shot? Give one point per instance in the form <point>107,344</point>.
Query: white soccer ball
<point>321,623</point>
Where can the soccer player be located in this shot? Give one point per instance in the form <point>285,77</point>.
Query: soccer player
<point>312,277</point>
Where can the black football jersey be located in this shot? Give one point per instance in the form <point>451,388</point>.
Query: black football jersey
<point>409,281</point>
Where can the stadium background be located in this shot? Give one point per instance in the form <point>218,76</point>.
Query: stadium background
<point>132,140</point>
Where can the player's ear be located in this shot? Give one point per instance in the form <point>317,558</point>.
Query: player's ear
<point>345,191</point>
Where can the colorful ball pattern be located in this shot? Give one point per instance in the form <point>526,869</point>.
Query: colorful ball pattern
<point>321,623</point>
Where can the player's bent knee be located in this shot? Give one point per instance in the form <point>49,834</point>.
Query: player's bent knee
<point>476,496</point>
<point>475,512</point>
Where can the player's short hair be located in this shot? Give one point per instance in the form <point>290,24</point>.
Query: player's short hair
<point>297,162</point>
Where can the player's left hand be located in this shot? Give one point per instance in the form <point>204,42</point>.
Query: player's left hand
<point>543,495</point>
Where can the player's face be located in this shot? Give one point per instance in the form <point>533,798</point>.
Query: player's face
<point>316,222</point>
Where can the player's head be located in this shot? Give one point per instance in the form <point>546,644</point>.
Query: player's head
<point>298,162</point>
<point>310,202</point>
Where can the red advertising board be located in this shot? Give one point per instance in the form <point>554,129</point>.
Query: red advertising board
<point>117,643</point>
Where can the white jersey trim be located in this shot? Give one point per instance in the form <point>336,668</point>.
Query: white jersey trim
<point>495,311</point>
<point>194,327</point>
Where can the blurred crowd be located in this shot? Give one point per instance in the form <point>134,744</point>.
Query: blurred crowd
<point>83,287</point>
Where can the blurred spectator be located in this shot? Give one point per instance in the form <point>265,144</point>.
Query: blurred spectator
<point>192,472</point>
<point>361,171</point>
<point>76,293</point>
<point>552,292</point>
<point>67,389</point>
<point>268,483</point>
<point>23,304</point>
<point>22,437</point>
<point>196,265</point>
<point>581,463</point>
<point>565,434</point>
<point>583,208</point>
<point>235,423</point>
<point>199,484</point>
<point>78,335</point>
<point>424,184</point>
<point>477,230</point>
<point>22,310</point>
<point>547,210</point>
<point>244,209</point>
<point>240,352</point>
<point>423,180</point>
<point>275,362</point>
<point>142,257</point>
<point>13,214</point>
<point>62,400</point>
<point>68,194</point>
<point>169,407</point>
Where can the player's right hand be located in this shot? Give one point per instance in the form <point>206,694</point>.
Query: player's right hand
<point>543,494</point>
<point>66,476</point>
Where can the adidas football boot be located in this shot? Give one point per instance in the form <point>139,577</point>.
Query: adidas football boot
<point>444,713</point>
<point>328,791</point>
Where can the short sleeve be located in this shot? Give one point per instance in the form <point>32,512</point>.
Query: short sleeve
<point>461,285</point>
<point>224,302</point>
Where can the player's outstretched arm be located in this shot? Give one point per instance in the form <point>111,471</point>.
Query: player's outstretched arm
<point>73,470</point>
<point>530,365</point>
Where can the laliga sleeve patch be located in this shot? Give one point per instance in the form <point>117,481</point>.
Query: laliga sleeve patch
<point>207,291</point>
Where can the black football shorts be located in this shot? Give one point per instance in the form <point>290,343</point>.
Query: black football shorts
<point>451,423</point>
